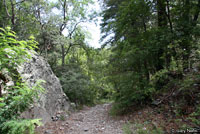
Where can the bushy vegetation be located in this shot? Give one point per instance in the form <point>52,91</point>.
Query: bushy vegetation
<point>153,44</point>
<point>130,128</point>
<point>83,77</point>
<point>76,84</point>
<point>17,97</point>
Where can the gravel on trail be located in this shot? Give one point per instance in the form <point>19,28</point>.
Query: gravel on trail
<point>90,120</point>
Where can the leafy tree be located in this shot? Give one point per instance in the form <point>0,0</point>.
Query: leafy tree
<point>148,37</point>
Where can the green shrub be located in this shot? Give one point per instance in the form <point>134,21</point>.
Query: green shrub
<point>136,91</point>
<point>194,117</point>
<point>130,128</point>
<point>141,129</point>
<point>160,78</point>
<point>21,126</point>
<point>76,84</point>
<point>19,96</point>
<point>127,129</point>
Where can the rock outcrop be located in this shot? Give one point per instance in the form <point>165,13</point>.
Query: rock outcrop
<point>54,99</point>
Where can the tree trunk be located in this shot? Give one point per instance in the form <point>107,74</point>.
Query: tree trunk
<point>12,14</point>
<point>186,30</point>
<point>63,55</point>
<point>169,16</point>
<point>162,23</point>
<point>161,8</point>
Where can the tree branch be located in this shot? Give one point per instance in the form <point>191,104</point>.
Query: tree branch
<point>169,17</point>
<point>70,34</point>
<point>66,52</point>
<point>6,9</point>
<point>20,2</point>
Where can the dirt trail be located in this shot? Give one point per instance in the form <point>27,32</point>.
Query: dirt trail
<point>94,120</point>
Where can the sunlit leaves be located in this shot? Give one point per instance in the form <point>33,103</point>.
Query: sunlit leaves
<point>19,96</point>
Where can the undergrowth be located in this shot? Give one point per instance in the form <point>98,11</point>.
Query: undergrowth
<point>17,97</point>
<point>131,128</point>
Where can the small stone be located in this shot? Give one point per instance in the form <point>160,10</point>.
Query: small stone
<point>86,129</point>
<point>48,132</point>
<point>59,112</point>
<point>58,116</point>
<point>61,128</point>
<point>54,118</point>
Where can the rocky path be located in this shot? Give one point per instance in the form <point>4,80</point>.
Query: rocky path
<point>94,120</point>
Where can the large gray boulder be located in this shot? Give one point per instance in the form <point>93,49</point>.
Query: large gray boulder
<point>51,102</point>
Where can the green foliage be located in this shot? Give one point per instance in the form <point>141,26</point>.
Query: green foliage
<point>62,118</point>
<point>76,84</point>
<point>19,96</point>
<point>160,79</point>
<point>97,67</point>
<point>130,128</point>
<point>21,126</point>
<point>18,99</point>
<point>148,50</point>
<point>13,52</point>
<point>127,129</point>
<point>84,77</point>
<point>141,129</point>
<point>194,117</point>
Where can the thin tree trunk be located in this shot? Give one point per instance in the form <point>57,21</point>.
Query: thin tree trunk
<point>13,13</point>
<point>62,27</point>
<point>186,43</point>
<point>169,16</point>
<point>161,8</point>
<point>144,25</point>
<point>162,23</point>
<point>63,55</point>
